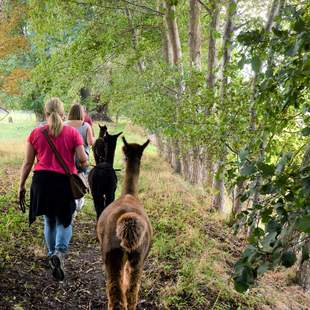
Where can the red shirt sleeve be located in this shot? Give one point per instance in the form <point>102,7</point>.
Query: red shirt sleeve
<point>32,137</point>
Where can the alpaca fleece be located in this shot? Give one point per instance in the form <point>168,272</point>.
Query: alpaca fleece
<point>103,183</point>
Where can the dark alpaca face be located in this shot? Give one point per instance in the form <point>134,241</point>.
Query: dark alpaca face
<point>103,131</point>
<point>110,141</point>
<point>133,151</point>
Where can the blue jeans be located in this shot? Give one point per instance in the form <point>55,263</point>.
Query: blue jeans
<point>57,237</point>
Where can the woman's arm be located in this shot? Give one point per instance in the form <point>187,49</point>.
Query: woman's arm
<point>90,136</point>
<point>82,156</point>
<point>27,165</point>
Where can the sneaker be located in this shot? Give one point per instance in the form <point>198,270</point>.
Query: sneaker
<point>57,264</point>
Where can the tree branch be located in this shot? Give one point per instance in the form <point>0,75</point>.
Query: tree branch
<point>206,8</point>
<point>144,7</point>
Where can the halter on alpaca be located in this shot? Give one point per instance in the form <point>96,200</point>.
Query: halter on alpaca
<point>125,233</point>
<point>102,178</point>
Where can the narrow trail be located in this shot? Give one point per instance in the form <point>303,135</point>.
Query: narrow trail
<point>28,284</point>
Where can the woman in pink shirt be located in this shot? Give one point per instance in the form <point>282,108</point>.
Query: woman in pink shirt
<point>50,193</point>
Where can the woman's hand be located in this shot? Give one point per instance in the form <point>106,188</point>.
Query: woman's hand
<point>26,168</point>
<point>22,198</point>
<point>82,156</point>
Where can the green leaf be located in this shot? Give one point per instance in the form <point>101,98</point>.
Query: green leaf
<point>248,169</point>
<point>303,224</point>
<point>243,277</point>
<point>299,25</point>
<point>256,64</point>
<point>267,170</point>
<point>288,259</point>
<point>267,189</point>
<point>265,215</point>
<point>263,268</point>
<point>269,242</point>
<point>240,286</point>
<point>273,226</point>
<point>241,62</point>
<point>283,161</point>
<point>243,154</point>
<point>305,131</point>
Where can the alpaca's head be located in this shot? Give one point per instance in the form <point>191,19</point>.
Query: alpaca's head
<point>110,146</point>
<point>133,151</point>
<point>111,140</point>
<point>103,130</point>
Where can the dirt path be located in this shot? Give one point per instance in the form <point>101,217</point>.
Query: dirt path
<point>28,284</point>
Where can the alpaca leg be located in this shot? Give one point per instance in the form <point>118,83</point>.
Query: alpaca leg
<point>134,276</point>
<point>114,265</point>
<point>99,202</point>
<point>109,197</point>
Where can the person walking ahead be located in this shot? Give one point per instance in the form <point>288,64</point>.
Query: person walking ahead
<point>50,193</point>
<point>76,120</point>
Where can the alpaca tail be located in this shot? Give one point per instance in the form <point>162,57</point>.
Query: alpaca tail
<point>130,229</point>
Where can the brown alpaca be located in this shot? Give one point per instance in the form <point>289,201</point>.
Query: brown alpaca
<point>125,233</point>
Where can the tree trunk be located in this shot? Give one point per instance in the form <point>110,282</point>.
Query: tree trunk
<point>194,34</point>
<point>175,157</point>
<point>212,44</point>
<point>39,116</point>
<point>159,143</point>
<point>303,273</point>
<point>237,204</point>
<point>167,150</point>
<point>185,165</point>
<point>174,38</point>
<point>195,166</point>
<point>228,31</point>
<point>134,39</point>
<point>173,33</point>
<point>210,80</point>
<point>219,183</point>
<point>167,48</point>
<point>219,187</point>
<point>84,95</point>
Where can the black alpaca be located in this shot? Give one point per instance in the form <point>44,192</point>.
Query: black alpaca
<point>102,178</point>
<point>99,146</point>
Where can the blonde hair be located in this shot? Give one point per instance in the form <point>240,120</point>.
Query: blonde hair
<point>76,112</point>
<point>54,109</point>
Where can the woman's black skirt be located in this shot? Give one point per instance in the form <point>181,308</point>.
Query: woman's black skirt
<point>51,195</point>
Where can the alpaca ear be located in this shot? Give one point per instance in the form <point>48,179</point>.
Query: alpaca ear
<point>118,134</point>
<point>145,144</point>
<point>124,140</point>
<point>104,127</point>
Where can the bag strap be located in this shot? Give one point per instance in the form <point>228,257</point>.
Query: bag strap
<point>58,156</point>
